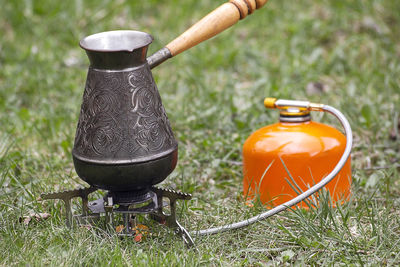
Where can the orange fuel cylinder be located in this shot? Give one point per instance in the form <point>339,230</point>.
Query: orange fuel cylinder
<point>293,155</point>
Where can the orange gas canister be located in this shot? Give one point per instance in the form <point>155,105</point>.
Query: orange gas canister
<point>286,158</point>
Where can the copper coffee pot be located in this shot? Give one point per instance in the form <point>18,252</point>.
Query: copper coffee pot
<point>123,140</point>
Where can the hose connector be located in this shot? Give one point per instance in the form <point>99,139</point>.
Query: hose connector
<point>270,102</point>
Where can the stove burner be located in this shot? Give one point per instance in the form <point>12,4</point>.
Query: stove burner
<point>128,204</point>
<point>131,197</point>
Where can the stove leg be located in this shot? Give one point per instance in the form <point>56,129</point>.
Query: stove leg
<point>184,234</point>
<point>126,223</point>
<point>67,196</point>
<point>68,212</point>
<point>85,207</point>
<point>108,218</point>
<point>170,219</point>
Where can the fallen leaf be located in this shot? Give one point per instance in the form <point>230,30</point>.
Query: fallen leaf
<point>119,228</point>
<point>141,229</point>
<point>138,237</point>
<point>37,216</point>
<point>40,216</point>
<point>27,220</point>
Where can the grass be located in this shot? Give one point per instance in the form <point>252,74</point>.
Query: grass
<point>213,96</point>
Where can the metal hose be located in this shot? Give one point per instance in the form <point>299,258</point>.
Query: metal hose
<point>305,194</point>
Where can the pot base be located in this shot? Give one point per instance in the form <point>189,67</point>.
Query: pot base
<point>126,177</point>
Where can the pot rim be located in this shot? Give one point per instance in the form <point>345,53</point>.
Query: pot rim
<point>116,41</point>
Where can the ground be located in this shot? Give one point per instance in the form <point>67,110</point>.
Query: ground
<point>342,53</point>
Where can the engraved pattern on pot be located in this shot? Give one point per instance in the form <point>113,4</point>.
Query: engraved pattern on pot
<point>107,135</point>
<point>98,130</point>
<point>122,117</point>
<point>152,128</point>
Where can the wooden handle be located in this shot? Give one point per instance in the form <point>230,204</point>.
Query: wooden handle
<point>215,22</point>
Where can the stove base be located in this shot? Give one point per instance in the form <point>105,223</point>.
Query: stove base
<point>147,202</point>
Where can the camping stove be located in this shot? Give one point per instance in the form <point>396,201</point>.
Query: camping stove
<point>159,203</point>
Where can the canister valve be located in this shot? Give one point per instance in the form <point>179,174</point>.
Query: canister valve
<point>270,102</point>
